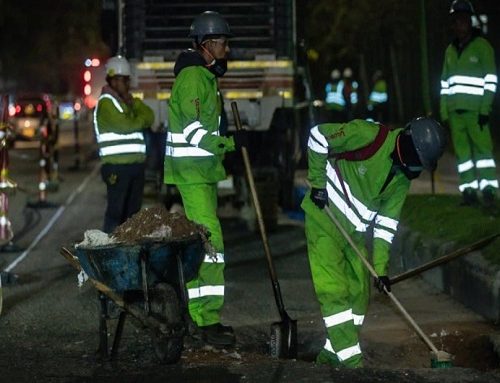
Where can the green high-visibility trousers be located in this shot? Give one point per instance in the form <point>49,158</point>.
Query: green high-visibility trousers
<point>206,292</point>
<point>342,287</point>
<point>474,152</point>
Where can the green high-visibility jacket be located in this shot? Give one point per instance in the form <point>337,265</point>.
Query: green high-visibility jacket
<point>378,95</point>
<point>363,180</point>
<point>469,78</point>
<point>118,128</point>
<point>194,148</point>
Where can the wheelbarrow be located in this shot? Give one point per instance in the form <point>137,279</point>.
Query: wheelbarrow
<point>147,281</point>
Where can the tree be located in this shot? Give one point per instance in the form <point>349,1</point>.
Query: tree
<point>45,42</point>
<point>384,34</point>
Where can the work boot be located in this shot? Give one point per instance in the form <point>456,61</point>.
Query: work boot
<point>469,198</point>
<point>328,358</point>
<point>489,197</point>
<point>218,335</point>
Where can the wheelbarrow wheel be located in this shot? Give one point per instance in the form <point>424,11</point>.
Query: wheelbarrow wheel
<point>166,308</point>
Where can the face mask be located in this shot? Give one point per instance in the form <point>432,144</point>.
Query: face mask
<point>218,67</point>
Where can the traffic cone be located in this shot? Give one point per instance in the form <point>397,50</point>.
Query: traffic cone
<point>6,233</point>
<point>53,155</point>
<point>76,145</point>
<point>43,178</point>
<point>7,186</point>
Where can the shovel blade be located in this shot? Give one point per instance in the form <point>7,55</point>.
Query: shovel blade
<point>283,343</point>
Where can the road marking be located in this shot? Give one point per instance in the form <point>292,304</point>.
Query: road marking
<point>54,219</point>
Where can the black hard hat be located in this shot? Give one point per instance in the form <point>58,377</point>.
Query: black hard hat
<point>429,139</point>
<point>462,6</point>
<point>209,23</point>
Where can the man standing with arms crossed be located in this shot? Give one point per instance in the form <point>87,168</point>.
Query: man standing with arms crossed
<point>193,161</point>
<point>468,86</point>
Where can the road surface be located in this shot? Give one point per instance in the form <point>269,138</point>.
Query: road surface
<point>49,325</point>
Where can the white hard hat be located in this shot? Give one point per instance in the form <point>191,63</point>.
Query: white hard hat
<point>117,66</point>
<point>335,74</point>
<point>347,72</point>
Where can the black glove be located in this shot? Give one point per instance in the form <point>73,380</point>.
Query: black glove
<point>382,281</point>
<point>240,139</point>
<point>483,120</point>
<point>319,197</point>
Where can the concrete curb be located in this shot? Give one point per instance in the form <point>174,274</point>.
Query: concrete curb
<point>471,279</point>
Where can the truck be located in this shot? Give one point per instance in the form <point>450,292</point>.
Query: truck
<point>266,77</point>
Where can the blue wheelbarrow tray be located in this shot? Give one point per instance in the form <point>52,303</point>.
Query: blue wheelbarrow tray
<point>119,265</point>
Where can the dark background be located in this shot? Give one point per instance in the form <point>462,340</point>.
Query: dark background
<point>44,43</point>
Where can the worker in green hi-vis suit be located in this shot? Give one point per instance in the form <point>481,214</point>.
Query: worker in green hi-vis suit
<point>361,172</point>
<point>377,100</point>
<point>193,161</point>
<point>468,86</point>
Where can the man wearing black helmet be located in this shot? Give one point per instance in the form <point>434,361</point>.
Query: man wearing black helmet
<point>468,86</point>
<point>361,172</point>
<point>193,160</point>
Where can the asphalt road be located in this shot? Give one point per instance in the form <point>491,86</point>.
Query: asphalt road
<point>49,325</point>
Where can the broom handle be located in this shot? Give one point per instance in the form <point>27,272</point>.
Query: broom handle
<point>260,220</point>
<point>414,324</point>
<point>445,258</point>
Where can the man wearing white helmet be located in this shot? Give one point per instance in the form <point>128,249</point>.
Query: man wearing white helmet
<point>119,121</point>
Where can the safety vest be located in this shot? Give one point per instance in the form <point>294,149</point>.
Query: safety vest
<point>357,192</point>
<point>334,99</point>
<point>114,146</point>
<point>469,79</point>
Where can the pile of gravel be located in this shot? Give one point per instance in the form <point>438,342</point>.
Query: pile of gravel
<point>153,224</point>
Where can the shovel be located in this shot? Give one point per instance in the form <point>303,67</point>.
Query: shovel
<point>284,333</point>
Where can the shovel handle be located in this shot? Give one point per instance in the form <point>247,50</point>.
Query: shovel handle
<point>260,219</point>
<point>372,271</point>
